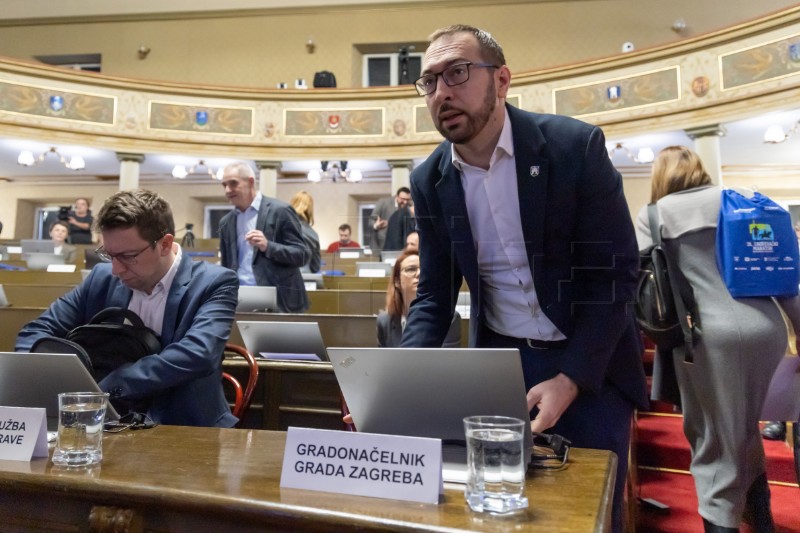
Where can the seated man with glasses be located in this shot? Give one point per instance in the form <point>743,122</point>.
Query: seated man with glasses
<point>190,306</point>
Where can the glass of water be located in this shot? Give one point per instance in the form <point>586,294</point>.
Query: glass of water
<point>496,464</point>
<point>80,428</point>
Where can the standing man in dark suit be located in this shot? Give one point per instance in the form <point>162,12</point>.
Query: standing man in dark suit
<point>262,240</point>
<point>381,214</point>
<point>529,210</point>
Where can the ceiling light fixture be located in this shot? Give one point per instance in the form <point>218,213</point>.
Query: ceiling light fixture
<point>334,171</point>
<point>180,171</point>
<point>27,159</point>
<point>775,134</point>
<point>643,157</point>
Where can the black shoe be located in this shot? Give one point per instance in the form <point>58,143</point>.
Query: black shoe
<point>757,506</point>
<point>774,431</point>
<point>711,528</point>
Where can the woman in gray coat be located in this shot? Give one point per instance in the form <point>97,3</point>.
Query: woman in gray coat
<point>741,343</point>
<point>400,292</point>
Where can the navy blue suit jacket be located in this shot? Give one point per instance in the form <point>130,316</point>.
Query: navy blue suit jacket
<point>184,382</point>
<point>579,239</point>
<point>279,266</point>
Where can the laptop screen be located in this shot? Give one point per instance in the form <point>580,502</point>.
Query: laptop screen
<point>36,379</point>
<point>283,340</point>
<point>255,298</point>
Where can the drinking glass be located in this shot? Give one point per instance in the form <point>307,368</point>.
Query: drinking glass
<point>80,428</point>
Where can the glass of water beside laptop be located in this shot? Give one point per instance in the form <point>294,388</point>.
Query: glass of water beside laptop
<point>496,464</point>
<point>80,428</point>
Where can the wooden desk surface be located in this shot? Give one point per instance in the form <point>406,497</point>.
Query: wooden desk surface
<point>205,479</point>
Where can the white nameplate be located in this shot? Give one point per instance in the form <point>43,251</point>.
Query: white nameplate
<point>371,273</point>
<point>310,285</point>
<point>14,249</point>
<point>23,433</point>
<point>363,464</point>
<point>60,268</point>
<point>349,255</point>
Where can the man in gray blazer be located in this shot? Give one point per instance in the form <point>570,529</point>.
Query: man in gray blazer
<point>262,240</point>
<point>380,216</point>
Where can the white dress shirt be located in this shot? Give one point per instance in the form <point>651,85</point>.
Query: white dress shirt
<point>150,307</point>
<point>246,221</point>
<point>508,296</point>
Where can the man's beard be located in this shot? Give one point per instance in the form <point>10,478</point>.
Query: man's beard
<point>474,123</point>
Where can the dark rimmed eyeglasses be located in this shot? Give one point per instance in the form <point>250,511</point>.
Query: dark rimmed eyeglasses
<point>452,76</point>
<point>128,258</point>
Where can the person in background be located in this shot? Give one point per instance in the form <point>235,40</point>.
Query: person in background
<point>59,234</point>
<point>262,239</point>
<point>401,225</point>
<point>189,304</point>
<point>80,222</point>
<point>412,242</point>
<point>380,216</point>
<point>529,211</point>
<point>303,204</point>
<point>741,344</point>
<point>344,240</point>
<point>400,292</point>
<point>3,249</point>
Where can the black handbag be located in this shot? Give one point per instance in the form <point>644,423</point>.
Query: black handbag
<point>665,306</point>
<point>110,343</point>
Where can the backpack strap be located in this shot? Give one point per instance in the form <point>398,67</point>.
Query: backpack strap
<point>117,314</point>
<point>681,289</point>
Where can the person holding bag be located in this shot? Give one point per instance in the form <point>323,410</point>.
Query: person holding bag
<point>740,344</point>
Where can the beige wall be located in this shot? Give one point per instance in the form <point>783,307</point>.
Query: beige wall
<point>262,49</point>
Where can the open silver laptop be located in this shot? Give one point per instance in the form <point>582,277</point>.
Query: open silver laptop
<point>40,261</point>
<point>255,298</point>
<point>371,269</point>
<point>427,392</point>
<point>283,340</point>
<point>36,379</point>
<point>37,246</point>
<point>313,281</point>
<point>390,256</point>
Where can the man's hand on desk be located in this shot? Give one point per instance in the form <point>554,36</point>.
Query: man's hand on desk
<point>551,397</point>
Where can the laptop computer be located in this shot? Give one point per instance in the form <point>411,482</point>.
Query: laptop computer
<point>36,379</point>
<point>390,256</point>
<point>373,269</point>
<point>37,246</point>
<point>350,253</point>
<point>40,261</point>
<point>313,281</point>
<point>3,299</point>
<point>255,298</point>
<point>427,392</point>
<point>283,340</point>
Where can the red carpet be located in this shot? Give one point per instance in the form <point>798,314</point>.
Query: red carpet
<point>677,491</point>
<point>661,444</point>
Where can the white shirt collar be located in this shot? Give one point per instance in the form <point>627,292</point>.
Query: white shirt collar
<point>504,144</point>
<point>255,204</point>
<point>165,283</point>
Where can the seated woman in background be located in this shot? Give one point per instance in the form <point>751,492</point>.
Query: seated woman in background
<point>303,204</point>
<point>400,292</point>
<point>59,233</point>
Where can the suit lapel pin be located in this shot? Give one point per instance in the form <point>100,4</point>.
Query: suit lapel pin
<point>534,171</point>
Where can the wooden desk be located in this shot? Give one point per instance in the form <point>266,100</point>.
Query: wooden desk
<point>203,479</point>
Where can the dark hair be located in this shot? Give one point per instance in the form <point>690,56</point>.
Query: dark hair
<point>346,227</point>
<point>402,189</point>
<point>490,50</point>
<point>394,294</point>
<point>144,210</point>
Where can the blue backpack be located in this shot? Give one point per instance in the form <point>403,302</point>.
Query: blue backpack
<point>757,251</point>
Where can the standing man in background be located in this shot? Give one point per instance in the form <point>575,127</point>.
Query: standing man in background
<point>380,216</point>
<point>529,210</point>
<point>262,240</point>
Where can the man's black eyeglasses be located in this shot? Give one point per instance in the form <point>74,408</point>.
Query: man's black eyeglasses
<point>126,258</point>
<point>452,76</point>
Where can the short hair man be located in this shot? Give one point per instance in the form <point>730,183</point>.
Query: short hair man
<point>380,216</point>
<point>262,239</point>
<point>344,240</point>
<point>412,242</point>
<point>190,305</point>
<point>529,210</point>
